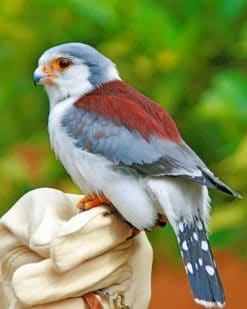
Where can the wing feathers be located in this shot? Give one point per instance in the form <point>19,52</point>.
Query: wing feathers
<point>124,105</point>
<point>134,132</point>
<point>214,182</point>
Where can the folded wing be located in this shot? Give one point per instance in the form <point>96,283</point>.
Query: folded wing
<point>130,136</point>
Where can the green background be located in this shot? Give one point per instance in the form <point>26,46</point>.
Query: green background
<point>190,56</point>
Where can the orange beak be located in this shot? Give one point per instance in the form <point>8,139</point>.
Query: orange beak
<point>43,75</point>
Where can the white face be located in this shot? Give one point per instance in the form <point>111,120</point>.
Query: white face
<point>66,76</point>
<point>63,77</point>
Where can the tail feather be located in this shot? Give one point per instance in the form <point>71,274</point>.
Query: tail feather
<point>212,181</point>
<point>199,264</point>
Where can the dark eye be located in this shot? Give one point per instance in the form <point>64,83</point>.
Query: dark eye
<point>61,64</point>
<point>64,63</point>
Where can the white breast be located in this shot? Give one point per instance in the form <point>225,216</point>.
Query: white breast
<point>134,196</point>
<point>94,173</point>
<point>63,145</point>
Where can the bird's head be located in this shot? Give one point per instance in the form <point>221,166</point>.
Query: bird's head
<point>72,70</point>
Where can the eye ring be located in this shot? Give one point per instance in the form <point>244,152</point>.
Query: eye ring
<point>61,64</point>
<point>64,63</point>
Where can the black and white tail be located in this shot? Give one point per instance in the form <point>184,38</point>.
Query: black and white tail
<point>199,264</point>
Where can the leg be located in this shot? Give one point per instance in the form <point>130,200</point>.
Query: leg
<point>162,221</point>
<point>92,301</point>
<point>134,232</point>
<point>93,200</point>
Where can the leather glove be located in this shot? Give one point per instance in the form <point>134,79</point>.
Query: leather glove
<point>51,255</point>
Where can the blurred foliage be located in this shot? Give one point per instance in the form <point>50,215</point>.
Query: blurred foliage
<point>188,55</point>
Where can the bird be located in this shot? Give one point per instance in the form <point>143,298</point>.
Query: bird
<point>122,148</point>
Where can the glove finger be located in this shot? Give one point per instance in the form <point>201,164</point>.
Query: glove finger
<point>15,259</point>
<point>36,216</point>
<point>48,285</point>
<point>102,231</point>
<point>8,241</point>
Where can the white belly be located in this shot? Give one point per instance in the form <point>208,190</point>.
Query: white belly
<point>138,199</point>
<point>94,173</point>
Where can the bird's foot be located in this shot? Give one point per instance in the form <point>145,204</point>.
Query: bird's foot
<point>92,301</point>
<point>134,232</point>
<point>93,200</point>
<point>162,221</point>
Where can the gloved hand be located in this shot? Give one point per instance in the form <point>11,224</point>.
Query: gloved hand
<point>51,255</point>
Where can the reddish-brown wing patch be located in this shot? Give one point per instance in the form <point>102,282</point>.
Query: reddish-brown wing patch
<point>125,106</point>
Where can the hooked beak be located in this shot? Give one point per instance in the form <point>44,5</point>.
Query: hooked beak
<point>43,75</point>
<point>38,76</point>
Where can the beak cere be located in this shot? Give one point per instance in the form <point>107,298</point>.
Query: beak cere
<point>43,75</point>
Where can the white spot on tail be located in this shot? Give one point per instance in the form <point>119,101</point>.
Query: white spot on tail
<point>209,304</point>
<point>200,261</point>
<point>184,245</point>
<point>181,226</point>
<point>204,245</point>
<point>220,305</point>
<point>189,268</point>
<point>210,270</point>
<point>199,225</point>
<point>195,235</point>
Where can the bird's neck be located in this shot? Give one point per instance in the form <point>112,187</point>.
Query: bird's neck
<point>58,95</point>
<point>77,89</point>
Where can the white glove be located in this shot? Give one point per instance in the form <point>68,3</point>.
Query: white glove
<point>51,255</point>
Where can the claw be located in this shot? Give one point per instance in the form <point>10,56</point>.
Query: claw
<point>92,301</point>
<point>93,200</point>
<point>162,221</point>
<point>134,232</point>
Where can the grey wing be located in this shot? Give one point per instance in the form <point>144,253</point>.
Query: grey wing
<point>186,164</point>
<point>129,150</point>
